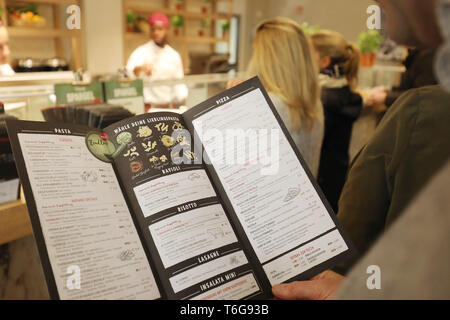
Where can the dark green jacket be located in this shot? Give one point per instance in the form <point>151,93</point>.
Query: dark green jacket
<point>410,145</point>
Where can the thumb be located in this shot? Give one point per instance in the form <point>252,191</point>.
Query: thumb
<point>298,290</point>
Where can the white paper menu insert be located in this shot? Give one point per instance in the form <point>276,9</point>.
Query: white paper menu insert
<point>86,223</point>
<point>278,211</point>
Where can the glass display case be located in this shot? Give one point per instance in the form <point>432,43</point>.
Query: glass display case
<point>24,96</point>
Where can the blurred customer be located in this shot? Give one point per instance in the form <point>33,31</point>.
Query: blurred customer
<point>338,62</point>
<point>388,176</point>
<point>284,61</point>
<point>409,146</point>
<point>419,73</point>
<point>156,60</point>
<point>5,68</point>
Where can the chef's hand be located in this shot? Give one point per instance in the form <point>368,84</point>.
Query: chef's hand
<point>145,68</point>
<point>322,287</point>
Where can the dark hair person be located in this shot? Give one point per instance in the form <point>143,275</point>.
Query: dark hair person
<point>338,61</point>
<point>409,148</point>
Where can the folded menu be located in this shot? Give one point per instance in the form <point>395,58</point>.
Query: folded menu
<point>215,203</point>
<point>9,179</point>
<point>96,115</point>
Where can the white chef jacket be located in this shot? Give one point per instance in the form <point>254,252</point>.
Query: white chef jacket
<point>6,70</point>
<point>167,64</point>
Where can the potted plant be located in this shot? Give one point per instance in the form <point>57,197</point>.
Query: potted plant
<point>369,43</point>
<point>206,23</point>
<point>179,4</point>
<point>142,25</point>
<point>177,22</point>
<point>205,6</point>
<point>225,27</point>
<point>131,18</point>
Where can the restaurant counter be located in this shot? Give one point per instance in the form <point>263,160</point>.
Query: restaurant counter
<point>25,95</point>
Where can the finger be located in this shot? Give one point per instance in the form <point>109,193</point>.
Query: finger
<point>299,290</point>
<point>327,274</point>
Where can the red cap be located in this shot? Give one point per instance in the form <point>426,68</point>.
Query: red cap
<point>158,19</point>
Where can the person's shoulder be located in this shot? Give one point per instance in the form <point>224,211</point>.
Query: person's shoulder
<point>416,116</point>
<point>279,105</point>
<point>169,49</point>
<point>429,99</point>
<point>435,94</point>
<point>144,47</point>
<point>274,97</point>
<point>277,101</point>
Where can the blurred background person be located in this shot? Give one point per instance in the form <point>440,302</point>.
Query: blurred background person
<point>5,68</point>
<point>338,61</point>
<point>419,73</point>
<point>386,190</point>
<point>410,144</point>
<point>157,60</point>
<point>284,62</point>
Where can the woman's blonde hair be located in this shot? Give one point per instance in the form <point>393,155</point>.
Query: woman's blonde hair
<point>283,60</point>
<point>342,53</point>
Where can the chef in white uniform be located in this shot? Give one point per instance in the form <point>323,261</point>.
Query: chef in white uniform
<point>5,68</point>
<point>156,60</point>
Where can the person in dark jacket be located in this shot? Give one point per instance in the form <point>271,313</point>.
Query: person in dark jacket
<point>385,191</point>
<point>419,73</point>
<point>338,62</point>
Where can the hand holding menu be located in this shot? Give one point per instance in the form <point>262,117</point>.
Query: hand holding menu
<point>182,211</point>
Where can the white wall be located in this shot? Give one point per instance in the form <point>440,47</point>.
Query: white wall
<point>103,35</point>
<point>345,16</point>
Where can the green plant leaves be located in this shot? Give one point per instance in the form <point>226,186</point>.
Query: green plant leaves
<point>370,41</point>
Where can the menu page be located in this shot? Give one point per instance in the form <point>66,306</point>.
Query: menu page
<point>9,190</point>
<point>190,237</point>
<point>280,211</point>
<point>93,247</point>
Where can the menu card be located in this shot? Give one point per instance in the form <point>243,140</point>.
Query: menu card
<point>215,203</point>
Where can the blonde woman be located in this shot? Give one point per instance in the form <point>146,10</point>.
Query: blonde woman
<point>284,61</point>
<point>338,61</point>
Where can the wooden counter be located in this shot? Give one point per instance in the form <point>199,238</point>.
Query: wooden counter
<point>14,221</point>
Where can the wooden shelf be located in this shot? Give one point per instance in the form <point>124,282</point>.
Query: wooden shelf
<point>56,34</point>
<point>140,36</point>
<point>66,2</point>
<point>14,221</point>
<point>205,40</point>
<point>24,32</point>
<point>139,8</point>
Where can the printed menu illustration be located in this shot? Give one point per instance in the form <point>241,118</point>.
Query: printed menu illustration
<point>215,203</point>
